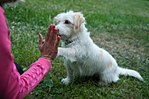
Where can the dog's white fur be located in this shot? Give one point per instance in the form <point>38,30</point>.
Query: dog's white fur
<point>82,56</point>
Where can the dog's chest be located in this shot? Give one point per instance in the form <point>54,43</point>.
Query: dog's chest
<point>82,68</point>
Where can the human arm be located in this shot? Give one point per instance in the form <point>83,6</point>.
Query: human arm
<point>13,85</point>
<point>41,67</point>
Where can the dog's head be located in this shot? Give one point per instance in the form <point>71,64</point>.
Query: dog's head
<point>69,24</point>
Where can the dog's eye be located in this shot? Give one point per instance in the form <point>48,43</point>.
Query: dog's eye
<point>67,22</point>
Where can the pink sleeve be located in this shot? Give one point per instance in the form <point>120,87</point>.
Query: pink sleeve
<point>12,84</point>
<point>31,78</point>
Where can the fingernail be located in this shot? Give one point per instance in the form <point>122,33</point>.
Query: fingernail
<point>52,26</point>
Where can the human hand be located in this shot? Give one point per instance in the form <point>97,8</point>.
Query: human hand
<point>49,47</point>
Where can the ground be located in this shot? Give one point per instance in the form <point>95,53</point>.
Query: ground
<point>119,26</point>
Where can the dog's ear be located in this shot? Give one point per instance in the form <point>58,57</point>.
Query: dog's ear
<point>78,20</point>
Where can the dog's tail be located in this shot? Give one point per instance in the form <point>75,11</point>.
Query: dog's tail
<point>129,72</point>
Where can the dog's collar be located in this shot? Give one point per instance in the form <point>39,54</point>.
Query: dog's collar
<point>68,42</point>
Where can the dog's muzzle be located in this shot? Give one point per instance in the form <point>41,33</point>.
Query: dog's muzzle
<point>59,33</point>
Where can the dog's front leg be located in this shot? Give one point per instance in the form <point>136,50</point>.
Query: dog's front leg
<point>67,53</point>
<point>69,77</point>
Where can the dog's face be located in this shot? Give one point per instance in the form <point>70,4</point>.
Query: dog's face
<point>69,24</point>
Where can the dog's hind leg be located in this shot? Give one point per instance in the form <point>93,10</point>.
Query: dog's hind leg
<point>109,76</point>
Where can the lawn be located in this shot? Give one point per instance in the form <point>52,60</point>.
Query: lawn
<point>119,26</point>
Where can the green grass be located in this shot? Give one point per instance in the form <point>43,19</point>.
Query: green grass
<point>119,26</point>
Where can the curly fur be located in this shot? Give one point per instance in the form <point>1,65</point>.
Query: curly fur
<point>82,56</point>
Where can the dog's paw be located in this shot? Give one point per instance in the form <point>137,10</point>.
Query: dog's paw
<point>65,81</point>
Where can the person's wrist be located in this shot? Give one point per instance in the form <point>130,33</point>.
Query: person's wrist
<point>47,57</point>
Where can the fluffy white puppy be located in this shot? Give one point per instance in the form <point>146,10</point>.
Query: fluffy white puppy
<point>82,57</point>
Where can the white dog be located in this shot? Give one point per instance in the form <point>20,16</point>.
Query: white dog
<point>82,57</point>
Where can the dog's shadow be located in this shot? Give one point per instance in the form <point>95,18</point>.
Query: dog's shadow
<point>92,80</point>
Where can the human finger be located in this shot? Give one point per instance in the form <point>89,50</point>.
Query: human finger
<point>40,38</point>
<point>53,39</point>
<point>50,32</point>
<point>55,31</point>
<point>56,48</point>
<point>58,41</point>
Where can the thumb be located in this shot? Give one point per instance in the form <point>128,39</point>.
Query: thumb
<point>40,38</point>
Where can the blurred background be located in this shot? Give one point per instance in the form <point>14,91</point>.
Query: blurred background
<point>119,26</point>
